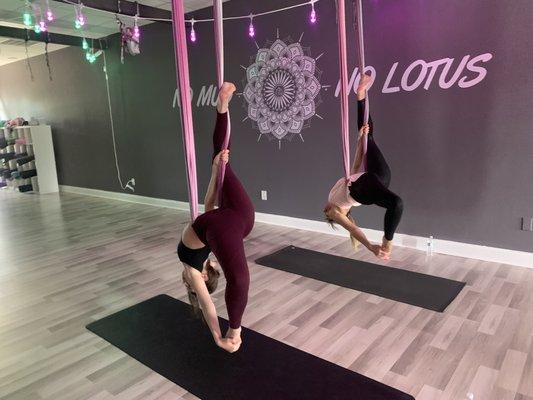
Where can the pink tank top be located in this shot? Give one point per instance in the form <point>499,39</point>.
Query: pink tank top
<point>340,192</point>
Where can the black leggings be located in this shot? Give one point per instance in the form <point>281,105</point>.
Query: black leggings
<point>372,186</point>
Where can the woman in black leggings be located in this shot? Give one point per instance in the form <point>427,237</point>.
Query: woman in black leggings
<point>370,187</point>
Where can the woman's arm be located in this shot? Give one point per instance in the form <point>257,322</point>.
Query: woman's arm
<point>207,306</point>
<point>354,230</point>
<point>358,234</point>
<point>210,200</point>
<point>210,314</point>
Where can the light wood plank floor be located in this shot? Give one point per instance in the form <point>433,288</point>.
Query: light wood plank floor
<point>68,260</point>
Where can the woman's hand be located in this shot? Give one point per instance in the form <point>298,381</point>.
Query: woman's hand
<point>378,251</point>
<point>223,157</point>
<point>365,129</point>
<point>227,344</point>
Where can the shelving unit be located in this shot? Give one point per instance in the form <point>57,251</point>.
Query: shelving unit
<point>27,160</point>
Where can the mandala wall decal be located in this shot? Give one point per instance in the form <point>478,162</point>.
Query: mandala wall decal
<point>282,85</point>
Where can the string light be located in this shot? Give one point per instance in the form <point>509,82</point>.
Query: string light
<point>136,30</point>
<point>27,19</point>
<point>49,13</point>
<point>41,25</point>
<point>312,16</point>
<point>85,44</point>
<point>193,32</point>
<point>251,29</point>
<point>91,56</point>
<point>80,18</point>
<point>27,16</point>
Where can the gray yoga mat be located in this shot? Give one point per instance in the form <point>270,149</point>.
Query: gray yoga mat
<point>426,291</point>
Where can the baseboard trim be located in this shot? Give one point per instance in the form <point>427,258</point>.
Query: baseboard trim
<point>467,250</point>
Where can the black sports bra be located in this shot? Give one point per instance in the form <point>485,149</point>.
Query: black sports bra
<point>193,257</point>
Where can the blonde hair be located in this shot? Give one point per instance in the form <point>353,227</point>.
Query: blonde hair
<point>211,284</point>
<point>354,242</point>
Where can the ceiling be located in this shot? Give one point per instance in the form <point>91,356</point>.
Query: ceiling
<point>99,24</point>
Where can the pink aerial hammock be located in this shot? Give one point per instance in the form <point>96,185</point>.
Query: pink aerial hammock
<point>219,47</point>
<point>182,78</point>
<point>343,64</point>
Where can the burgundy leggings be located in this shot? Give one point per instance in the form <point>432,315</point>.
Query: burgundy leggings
<point>224,229</point>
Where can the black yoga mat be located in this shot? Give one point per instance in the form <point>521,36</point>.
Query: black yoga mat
<point>162,334</point>
<point>413,288</point>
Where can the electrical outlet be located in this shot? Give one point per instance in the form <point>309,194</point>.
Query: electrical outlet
<point>527,224</point>
<point>264,195</point>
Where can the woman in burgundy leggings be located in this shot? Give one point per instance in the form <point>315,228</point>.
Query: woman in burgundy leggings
<point>220,231</point>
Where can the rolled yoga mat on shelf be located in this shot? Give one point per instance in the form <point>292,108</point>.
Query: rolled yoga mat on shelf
<point>426,291</point>
<point>162,334</point>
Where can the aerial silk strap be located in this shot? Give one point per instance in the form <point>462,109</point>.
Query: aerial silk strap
<point>219,46</point>
<point>343,64</point>
<point>344,90</point>
<point>358,9</point>
<point>182,78</point>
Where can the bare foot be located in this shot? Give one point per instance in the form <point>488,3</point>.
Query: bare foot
<point>364,83</point>
<point>386,247</point>
<point>234,333</point>
<point>224,96</point>
<point>228,345</point>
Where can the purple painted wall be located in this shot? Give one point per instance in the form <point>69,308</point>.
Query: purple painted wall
<point>461,156</point>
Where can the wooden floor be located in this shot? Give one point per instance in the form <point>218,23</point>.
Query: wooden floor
<point>68,260</point>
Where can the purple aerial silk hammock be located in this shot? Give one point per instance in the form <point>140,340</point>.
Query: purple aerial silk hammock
<point>182,78</point>
<point>361,49</point>
<point>343,64</point>
<point>219,46</point>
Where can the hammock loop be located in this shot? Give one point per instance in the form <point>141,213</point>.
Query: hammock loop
<point>218,17</point>
<point>343,73</point>
<point>182,79</point>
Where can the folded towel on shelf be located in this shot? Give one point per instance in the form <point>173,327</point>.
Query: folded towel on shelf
<point>27,174</point>
<point>25,188</point>
<point>24,160</point>
<point>7,156</point>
